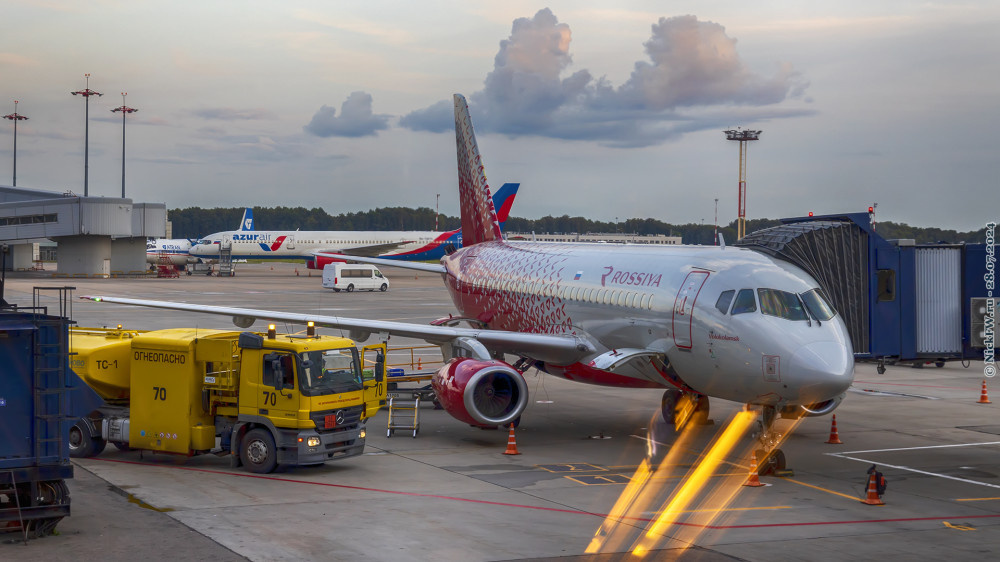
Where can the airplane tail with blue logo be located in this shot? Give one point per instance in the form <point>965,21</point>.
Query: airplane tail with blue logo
<point>247,223</point>
<point>502,201</point>
<point>479,217</point>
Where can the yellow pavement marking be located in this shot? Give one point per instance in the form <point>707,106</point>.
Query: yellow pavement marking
<point>822,489</point>
<point>975,499</point>
<point>958,527</point>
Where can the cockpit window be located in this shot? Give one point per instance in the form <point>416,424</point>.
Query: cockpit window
<point>724,299</point>
<point>744,302</point>
<point>781,304</point>
<point>818,305</point>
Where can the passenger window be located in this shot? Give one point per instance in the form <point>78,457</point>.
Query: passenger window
<point>724,299</point>
<point>744,302</point>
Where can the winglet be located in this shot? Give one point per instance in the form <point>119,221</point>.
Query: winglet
<point>247,222</point>
<point>479,218</point>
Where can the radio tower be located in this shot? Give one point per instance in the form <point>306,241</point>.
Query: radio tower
<point>743,136</point>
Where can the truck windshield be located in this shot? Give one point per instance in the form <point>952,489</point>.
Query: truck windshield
<point>329,371</point>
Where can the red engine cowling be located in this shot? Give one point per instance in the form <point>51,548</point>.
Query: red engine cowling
<point>481,393</point>
<point>318,262</point>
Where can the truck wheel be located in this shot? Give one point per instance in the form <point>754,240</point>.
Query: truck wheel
<point>383,288</point>
<point>257,452</point>
<point>82,441</point>
<point>350,287</point>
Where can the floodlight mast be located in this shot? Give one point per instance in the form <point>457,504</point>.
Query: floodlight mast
<point>86,93</point>
<point>15,117</point>
<point>125,110</point>
<point>743,136</point>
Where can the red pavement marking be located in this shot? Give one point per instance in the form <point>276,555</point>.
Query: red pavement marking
<point>553,509</point>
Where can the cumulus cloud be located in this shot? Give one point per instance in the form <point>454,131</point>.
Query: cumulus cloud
<point>356,119</point>
<point>692,78</point>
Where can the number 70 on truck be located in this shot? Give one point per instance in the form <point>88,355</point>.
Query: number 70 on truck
<point>263,399</point>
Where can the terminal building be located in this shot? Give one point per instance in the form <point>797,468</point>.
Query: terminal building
<point>95,236</point>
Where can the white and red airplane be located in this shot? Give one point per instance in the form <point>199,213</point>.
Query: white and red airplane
<point>693,321</point>
<point>311,245</point>
<point>177,251</point>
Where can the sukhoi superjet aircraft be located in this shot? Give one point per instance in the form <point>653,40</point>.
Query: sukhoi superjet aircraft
<point>693,321</point>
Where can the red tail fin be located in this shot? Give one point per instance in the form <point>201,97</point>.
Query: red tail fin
<point>479,219</point>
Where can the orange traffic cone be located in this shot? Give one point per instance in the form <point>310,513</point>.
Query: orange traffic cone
<point>834,436</point>
<point>511,444</point>
<point>753,480</point>
<point>420,363</point>
<point>872,498</point>
<point>984,398</point>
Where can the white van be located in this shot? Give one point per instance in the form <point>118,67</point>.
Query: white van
<point>353,276</point>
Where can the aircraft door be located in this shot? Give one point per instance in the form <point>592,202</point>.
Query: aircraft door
<point>373,359</point>
<point>683,313</point>
<point>290,242</point>
<point>227,242</point>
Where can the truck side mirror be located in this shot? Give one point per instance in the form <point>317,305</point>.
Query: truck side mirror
<point>379,367</point>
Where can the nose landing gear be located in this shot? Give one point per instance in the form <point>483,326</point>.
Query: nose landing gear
<point>771,459</point>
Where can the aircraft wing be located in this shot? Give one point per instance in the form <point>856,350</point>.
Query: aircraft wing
<point>557,349</point>
<point>415,265</point>
<point>370,250</point>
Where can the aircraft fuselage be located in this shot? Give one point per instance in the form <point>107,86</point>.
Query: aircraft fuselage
<point>663,300</point>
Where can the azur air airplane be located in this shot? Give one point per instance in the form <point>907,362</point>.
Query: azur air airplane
<point>693,321</point>
<point>296,244</point>
<point>177,251</point>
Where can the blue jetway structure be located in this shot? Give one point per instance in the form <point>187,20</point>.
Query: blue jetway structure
<point>901,301</point>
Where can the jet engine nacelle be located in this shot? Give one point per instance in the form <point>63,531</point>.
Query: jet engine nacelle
<point>481,393</point>
<point>809,410</point>
<point>319,262</point>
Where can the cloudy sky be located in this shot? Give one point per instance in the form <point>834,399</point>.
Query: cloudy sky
<point>602,109</point>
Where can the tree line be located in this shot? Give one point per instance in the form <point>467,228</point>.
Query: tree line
<point>194,222</point>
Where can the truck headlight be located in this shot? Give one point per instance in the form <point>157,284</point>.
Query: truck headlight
<point>312,441</point>
<point>362,434</point>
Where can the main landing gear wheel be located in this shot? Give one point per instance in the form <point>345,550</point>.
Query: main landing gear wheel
<point>668,405</point>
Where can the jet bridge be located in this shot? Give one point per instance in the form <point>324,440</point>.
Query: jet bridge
<point>900,301</point>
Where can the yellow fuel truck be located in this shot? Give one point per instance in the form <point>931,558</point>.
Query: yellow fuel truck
<point>263,399</point>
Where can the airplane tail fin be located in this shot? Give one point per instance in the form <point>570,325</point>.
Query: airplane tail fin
<point>479,218</point>
<point>502,201</point>
<point>247,222</point>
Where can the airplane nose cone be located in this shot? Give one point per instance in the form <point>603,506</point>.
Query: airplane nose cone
<point>824,370</point>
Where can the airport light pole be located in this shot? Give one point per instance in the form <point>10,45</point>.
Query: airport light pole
<point>86,93</point>
<point>15,118</point>
<point>743,136</point>
<point>716,221</point>
<point>125,110</point>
